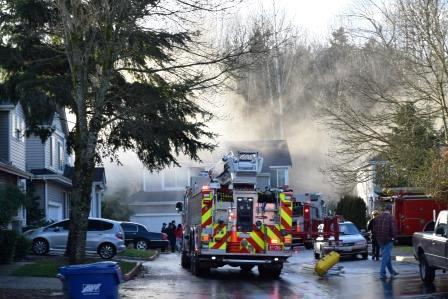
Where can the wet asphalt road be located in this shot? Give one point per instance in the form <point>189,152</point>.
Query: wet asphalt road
<point>164,278</point>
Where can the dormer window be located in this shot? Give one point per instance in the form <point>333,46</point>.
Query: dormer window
<point>60,156</point>
<point>18,127</point>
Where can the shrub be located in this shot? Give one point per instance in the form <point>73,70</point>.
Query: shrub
<point>22,248</point>
<point>7,245</point>
<point>11,198</point>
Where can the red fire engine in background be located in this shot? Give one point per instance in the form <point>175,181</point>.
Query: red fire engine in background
<point>413,212</point>
<point>308,214</point>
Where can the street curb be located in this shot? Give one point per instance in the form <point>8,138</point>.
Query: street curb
<point>132,258</point>
<point>405,259</point>
<point>153,257</point>
<point>134,272</point>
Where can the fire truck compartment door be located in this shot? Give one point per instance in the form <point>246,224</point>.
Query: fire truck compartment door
<point>245,213</point>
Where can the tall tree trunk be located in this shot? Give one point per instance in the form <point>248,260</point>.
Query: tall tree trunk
<point>81,197</point>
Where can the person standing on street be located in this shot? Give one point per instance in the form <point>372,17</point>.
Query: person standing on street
<point>375,246</point>
<point>171,236</point>
<point>384,230</point>
<point>179,234</point>
<point>163,230</point>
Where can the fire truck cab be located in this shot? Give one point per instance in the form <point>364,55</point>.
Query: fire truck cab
<point>227,222</point>
<point>308,214</point>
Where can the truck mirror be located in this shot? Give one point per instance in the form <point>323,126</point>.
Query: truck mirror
<point>440,231</point>
<point>179,206</point>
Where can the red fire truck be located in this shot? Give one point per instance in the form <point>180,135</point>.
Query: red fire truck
<point>308,214</point>
<point>413,212</point>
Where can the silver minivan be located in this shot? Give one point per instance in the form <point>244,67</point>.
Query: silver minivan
<point>104,236</point>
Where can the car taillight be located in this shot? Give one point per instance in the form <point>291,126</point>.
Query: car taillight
<point>164,236</point>
<point>119,235</point>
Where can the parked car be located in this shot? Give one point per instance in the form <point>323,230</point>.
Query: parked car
<point>351,242</point>
<point>431,249</point>
<point>104,236</point>
<point>138,235</point>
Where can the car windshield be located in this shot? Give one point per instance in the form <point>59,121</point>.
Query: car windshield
<point>348,229</point>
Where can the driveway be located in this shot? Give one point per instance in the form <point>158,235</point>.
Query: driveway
<point>165,278</point>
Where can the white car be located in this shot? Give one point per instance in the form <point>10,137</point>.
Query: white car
<point>351,242</point>
<point>104,236</point>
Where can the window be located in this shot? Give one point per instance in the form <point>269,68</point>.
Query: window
<point>279,177</point>
<point>51,144</point>
<point>175,178</point>
<point>98,225</point>
<point>128,227</point>
<point>142,228</point>
<point>18,127</point>
<point>66,196</point>
<point>61,225</point>
<point>60,156</point>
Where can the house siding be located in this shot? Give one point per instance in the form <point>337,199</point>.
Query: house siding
<point>6,178</point>
<point>4,135</point>
<point>154,209</point>
<point>17,145</point>
<point>55,193</point>
<point>51,147</point>
<point>35,158</point>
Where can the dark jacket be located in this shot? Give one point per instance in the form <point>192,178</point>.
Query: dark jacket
<point>384,228</point>
<point>370,225</point>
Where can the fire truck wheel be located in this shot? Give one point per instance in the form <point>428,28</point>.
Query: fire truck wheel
<point>270,271</point>
<point>247,267</point>
<point>184,261</point>
<point>308,245</point>
<point>197,268</point>
<point>427,273</point>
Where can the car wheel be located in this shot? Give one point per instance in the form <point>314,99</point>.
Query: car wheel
<point>364,256</point>
<point>141,245</point>
<point>247,268</point>
<point>40,246</point>
<point>427,273</point>
<point>106,251</point>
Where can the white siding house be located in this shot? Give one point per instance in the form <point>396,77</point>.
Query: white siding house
<point>12,152</point>
<point>156,202</point>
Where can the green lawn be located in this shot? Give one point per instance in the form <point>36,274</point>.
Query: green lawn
<point>137,253</point>
<point>49,267</point>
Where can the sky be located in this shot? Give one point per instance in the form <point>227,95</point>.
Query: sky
<point>317,17</point>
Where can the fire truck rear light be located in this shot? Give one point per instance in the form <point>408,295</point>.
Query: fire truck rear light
<point>307,210</point>
<point>274,241</point>
<point>205,238</point>
<point>288,240</point>
<point>205,188</point>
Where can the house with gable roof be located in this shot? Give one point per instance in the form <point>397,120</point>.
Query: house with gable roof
<point>156,202</point>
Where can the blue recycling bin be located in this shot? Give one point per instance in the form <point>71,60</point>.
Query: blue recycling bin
<point>97,280</point>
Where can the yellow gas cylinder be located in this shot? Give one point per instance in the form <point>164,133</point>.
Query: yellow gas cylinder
<point>325,263</point>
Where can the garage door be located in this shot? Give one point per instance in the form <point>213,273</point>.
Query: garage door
<point>154,223</point>
<point>54,211</point>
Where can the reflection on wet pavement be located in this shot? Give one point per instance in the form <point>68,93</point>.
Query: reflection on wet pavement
<point>166,279</point>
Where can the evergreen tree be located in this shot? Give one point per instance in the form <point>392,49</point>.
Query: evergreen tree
<point>129,81</point>
<point>353,209</point>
